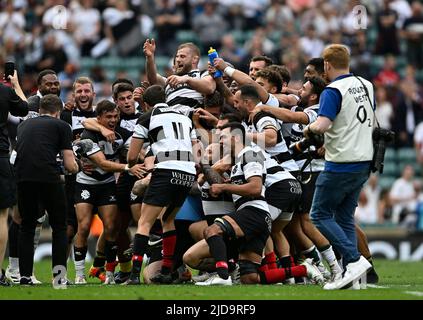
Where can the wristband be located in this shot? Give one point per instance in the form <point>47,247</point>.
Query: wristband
<point>229,71</point>
<point>126,168</point>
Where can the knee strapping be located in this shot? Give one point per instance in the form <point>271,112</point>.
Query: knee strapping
<point>247,267</point>
<point>227,229</point>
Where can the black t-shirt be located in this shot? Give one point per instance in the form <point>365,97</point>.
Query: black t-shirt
<point>39,141</point>
<point>9,102</point>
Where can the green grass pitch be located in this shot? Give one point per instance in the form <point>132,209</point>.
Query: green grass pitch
<point>399,281</point>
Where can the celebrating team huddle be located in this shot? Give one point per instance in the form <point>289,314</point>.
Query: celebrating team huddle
<point>218,172</point>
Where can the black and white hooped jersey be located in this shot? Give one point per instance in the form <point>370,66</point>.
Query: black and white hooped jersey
<point>220,205</point>
<point>263,121</point>
<point>183,94</point>
<point>249,164</point>
<point>295,134</point>
<point>274,170</point>
<point>128,121</point>
<point>110,150</point>
<point>170,134</point>
<point>75,119</point>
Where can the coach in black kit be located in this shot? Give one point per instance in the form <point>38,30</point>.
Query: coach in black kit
<point>39,141</point>
<point>11,100</point>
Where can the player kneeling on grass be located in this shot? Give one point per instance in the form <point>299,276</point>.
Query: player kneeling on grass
<point>251,222</point>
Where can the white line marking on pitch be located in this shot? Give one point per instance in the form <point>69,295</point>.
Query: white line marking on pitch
<point>415,293</point>
<point>376,286</point>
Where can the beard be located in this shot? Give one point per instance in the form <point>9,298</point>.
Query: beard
<point>184,70</point>
<point>303,103</point>
<point>45,92</point>
<point>88,104</point>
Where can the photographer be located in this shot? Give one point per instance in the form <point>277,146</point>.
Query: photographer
<point>12,100</point>
<point>346,118</point>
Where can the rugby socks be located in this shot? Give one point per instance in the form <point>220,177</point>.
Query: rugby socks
<point>279,275</point>
<point>13,247</point>
<point>14,263</point>
<point>169,242</point>
<point>293,264</point>
<point>270,260</point>
<point>312,253</point>
<point>110,251</point>
<point>328,254</point>
<point>125,263</point>
<point>263,267</point>
<point>285,261</point>
<point>99,260</point>
<point>13,243</point>
<point>140,245</point>
<point>79,257</point>
<point>218,251</point>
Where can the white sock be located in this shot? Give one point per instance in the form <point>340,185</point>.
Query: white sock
<point>329,256</point>
<point>14,263</point>
<point>80,268</point>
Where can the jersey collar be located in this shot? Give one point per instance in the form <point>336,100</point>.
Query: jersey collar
<point>343,76</point>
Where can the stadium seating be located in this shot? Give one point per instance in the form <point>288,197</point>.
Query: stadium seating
<point>395,161</point>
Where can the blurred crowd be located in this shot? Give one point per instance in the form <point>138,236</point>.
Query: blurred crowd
<point>385,38</point>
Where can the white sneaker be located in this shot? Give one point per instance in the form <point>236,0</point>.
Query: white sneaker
<point>355,286</point>
<point>35,280</point>
<point>203,277</point>
<point>13,275</point>
<point>289,281</point>
<point>354,272</point>
<point>80,280</point>
<point>313,273</point>
<point>215,280</point>
<point>324,271</point>
<point>110,278</point>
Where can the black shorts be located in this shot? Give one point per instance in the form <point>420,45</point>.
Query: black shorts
<point>124,196</point>
<point>308,192</point>
<point>284,195</point>
<point>96,194</point>
<point>168,188</point>
<point>7,184</point>
<point>256,225</point>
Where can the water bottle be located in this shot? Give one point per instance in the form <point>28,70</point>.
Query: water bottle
<point>213,55</point>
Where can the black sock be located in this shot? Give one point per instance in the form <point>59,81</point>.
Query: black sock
<point>80,253</point>
<point>99,260</point>
<point>285,262</point>
<point>13,240</point>
<point>324,248</point>
<point>140,246</point>
<point>313,254</point>
<point>110,251</point>
<point>218,250</point>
